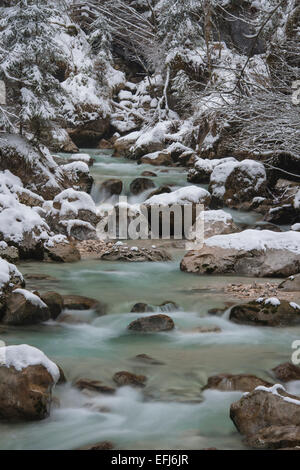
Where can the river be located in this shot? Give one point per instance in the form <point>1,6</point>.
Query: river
<point>171,412</point>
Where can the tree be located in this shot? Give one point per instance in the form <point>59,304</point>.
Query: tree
<point>28,62</point>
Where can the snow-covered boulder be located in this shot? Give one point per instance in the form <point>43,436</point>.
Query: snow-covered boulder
<point>139,143</point>
<point>81,157</point>
<point>27,378</point>
<point>24,308</point>
<point>203,168</point>
<point>182,196</point>
<point>9,253</point>
<point>79,175</point>
<point>266,312</point>
<point>216,222</point>
<point>58,248</point>
<point>10,278</point>
<point>286,208</point>
<point>256,253</point>
<point>265,408</point>
<point>234,182</point>
<point>191,196</point>
<point>21,225</point>
<point>158,158</point>
<point>72,213</point>
<point>34,166</point>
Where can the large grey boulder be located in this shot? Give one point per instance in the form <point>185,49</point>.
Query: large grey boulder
<point>257,253</point>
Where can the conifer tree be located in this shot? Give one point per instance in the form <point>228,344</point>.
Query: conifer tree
<point>28,62</point>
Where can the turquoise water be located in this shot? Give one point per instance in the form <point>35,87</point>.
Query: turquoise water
<point>171,412</point>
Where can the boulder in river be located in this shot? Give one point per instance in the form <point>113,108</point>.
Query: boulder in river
<point>134,254</point>
<point>166,306</point>
<point>265,407</point>
<point>79,302</point>
<point>286,372</point>
<point>112,186</point>
<point>123,378</point>
<point>230,382</point>
<point>24,308</point>
<point>93,386</point>
<point>139,185</point>
<point>266,312</point>
<point>27,378</point>
<point>275,437</point>
<point>251,252</point>
<point>152,324</point>
<point>54,302</point>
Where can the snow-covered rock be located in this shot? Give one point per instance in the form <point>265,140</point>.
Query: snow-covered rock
<point>216,222</point>
<point>266,312</point>
<point>182,196</point>
<point>10,278</point>
<point>79,175</point>
<point>36,168</point>
<point>266,408</point>
<point>158,158</point>
<point>21,225</point>
<point>27,378</point>
<point>255,253</point>
<point>203,168</point>
<point>238,181</point>
<point>24,308</point>
<point>72,213</point>
<point>58,248</point>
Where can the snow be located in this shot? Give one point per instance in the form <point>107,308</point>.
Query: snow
<point>84,157</point>
<point>295,306</point>
<point>71,223</point>
<point>73,201</point>
<point>17,219</point>
<point>8,271</point>
<point>125,95</point>
<point>274,390</point>
<point>23,355</point>
<point>3,245</point>
<point>76,167</point>
<point>185,195</point>
<point>52,241</point>
<point>17,147</point>
<point>219,176</point>
<point>272,301</point>
<point>217,216</point>
<point>32,298</point>
<point>253,173</point>
<point>257,240</point>
<point>297,200</point>
<point>208,165</point>
<point>296,227</point>
<point>155,134</point>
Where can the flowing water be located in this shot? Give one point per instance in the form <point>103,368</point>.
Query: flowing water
<point>171,412</point>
